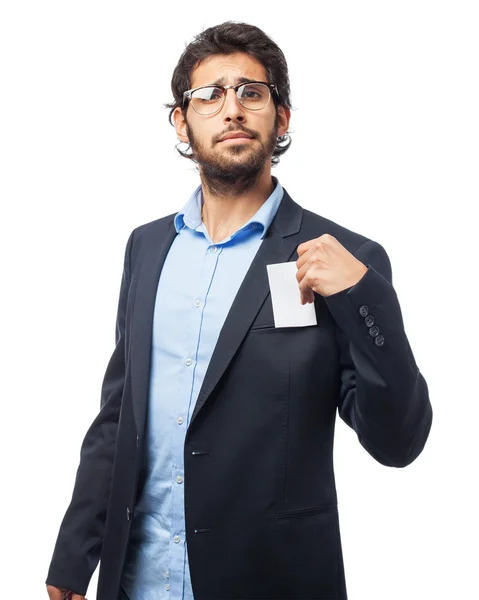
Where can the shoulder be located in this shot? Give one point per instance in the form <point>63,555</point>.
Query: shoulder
<point>314,223</point>
<point>146,230</point>
<point>365,249</point>
<point>140,237</point>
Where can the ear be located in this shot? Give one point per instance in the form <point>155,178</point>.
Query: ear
<point>284,115</point>
<point>180,125</point>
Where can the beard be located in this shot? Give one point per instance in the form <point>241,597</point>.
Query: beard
<point>232,170</point>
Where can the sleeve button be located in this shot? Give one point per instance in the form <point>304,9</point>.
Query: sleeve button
<point>363,311</point>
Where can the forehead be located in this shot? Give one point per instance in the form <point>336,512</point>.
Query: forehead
<point>228,69</point>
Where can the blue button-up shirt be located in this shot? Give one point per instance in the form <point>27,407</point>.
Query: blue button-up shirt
<point>197,286</point>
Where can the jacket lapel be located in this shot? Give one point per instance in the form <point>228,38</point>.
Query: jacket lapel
<point>278,246</point>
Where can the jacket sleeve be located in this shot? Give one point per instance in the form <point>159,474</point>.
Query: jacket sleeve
<point>383,395</point>
<point>77,549</point>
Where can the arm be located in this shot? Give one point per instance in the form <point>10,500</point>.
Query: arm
<point>383,395</point>
<point>77,549</point>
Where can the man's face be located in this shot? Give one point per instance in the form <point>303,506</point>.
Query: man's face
<point>228,162</point>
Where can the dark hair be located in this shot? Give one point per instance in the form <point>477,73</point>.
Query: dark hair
<point>227,38</point>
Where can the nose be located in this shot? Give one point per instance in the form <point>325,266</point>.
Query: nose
<point>232,107</point>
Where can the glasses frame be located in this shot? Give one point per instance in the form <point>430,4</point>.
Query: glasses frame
<point>188,95</point>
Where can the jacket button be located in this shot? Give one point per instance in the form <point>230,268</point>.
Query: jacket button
<point>374,330</point>
<point>128,513</point>
<point>369,320</point>
<point>363,311</point>
<point>379,340</point>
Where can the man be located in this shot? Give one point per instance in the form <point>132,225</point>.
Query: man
<point>208,472</point>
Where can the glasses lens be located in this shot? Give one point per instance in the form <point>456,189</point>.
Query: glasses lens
<point>253,96</point>
<point>207,100</point>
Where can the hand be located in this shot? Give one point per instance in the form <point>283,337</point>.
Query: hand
<point>55,593</point>
<point>326,267</point>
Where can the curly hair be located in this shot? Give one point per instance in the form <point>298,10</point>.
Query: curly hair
<point>228,38</point>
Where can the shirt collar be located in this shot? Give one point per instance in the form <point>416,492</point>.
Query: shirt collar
<point>190,214</point>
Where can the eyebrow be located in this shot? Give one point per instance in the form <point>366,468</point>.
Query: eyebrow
<point>222,80</point>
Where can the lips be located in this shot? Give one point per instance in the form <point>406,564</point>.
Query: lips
<point>233,136</point>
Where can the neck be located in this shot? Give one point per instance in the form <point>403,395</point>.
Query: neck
<point>223,213</point>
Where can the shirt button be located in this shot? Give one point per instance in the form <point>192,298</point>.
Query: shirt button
<point>197,302</point>
<point>167,587</point>
<point>179,420</point>
<point>176,539</point>
<point>214,249</point>
<point>166,573</point>
<point>179,478</point>
<point>188,361</point>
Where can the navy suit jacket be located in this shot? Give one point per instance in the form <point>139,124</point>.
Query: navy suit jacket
<point>261,509</point>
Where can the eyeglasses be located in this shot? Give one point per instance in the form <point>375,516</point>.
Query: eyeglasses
<point>208,99</point>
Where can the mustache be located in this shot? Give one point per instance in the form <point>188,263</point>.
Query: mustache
<point>237,130</point>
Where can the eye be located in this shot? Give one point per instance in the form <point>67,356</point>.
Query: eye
<point>207,94</point>
<point>254,92</point>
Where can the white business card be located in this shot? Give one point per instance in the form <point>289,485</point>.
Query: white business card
<point>286,298</point>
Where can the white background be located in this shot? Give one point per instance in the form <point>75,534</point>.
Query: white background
<point>385,142</point>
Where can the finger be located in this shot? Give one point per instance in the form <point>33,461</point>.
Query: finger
<point>55,593</point>
<point>306,295</point>
<point>303,257</point>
